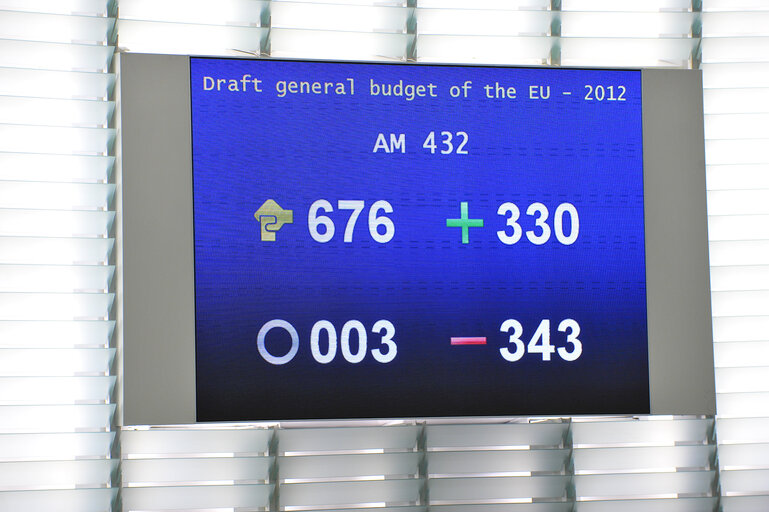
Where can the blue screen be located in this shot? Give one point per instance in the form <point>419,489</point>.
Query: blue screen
<point>388,240</point>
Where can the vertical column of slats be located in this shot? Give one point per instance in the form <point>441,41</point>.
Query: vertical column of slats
<point>56,218</point>
<point>198,468</point>
<point>351,468</point>
<point>471,467</point>
<point>658,33</point>
<point>736,79</point>
<point>486,32</point>
<point>651,463</point>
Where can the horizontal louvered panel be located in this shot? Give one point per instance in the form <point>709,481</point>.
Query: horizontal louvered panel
<point>734,5</point>
<point>747,481</point>
<point>180,38</point>
<point>738,227</point>
<point>743,329</point>
<point>748,405</point>
<point>751,252</point>
<point>497,489</point>
<point>735,126</point>
<point>55,112</point>
<point>200,471</point>
<point>55,306</point>
<point>501,436</point>
<point>55,28</point>
<point>752,303</point>
<point>378,508</point>
<point>347,439</point>
<point>349,494</point>
<point>72,500</point>
<point>201,498</point>
<point>347,18</point>
<point>744,354</point>
<point>338,45</point>
<point>734,75</point>
<point>627,52</point>
<point>56,362</point>
<point>54,56</point>
<point>348,467</point>
<point>734,24</point>
<point>627,24</point>
<point>53,279</point>
<point>515,5</point>
<point>612,5</point>
<point>16,476</point>
<point>55,84</point>
<point>738,49</point>
<point>37,167</point>
<point>736,177</point>
<point>222,12</point>
<point>743,456</point>
<point>87,7</point>
<point>55,223</point>
<point>56,418</point>
<point>743,430</point>
<point>389,3</point>
<point>742,278</point>
<point>642,460</point>
<point>679,504</point>
<point>194,442</point>
<point>738,202</point>
<point>744,503</point>
<point>640,485</point>
<point>652,432</point>
<point>56,196</point>
<point>56,139</point>
<point>507,507</point>
<point>55,390</point>
<point>741,379</point>
<point>29,447</point>
<point>484,49</point>
<point>496,462</point>
<point>56,334</point>
<point>55,251</point>
<point>484,22</point>
<point>744,151</point>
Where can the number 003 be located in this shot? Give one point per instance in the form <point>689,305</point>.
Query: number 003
<point>352,341</point>
<point>352,352</point>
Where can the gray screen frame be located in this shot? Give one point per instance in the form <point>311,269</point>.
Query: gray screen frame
<point>156,306</point>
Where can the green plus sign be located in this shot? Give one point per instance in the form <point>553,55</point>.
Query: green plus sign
<point>464,222</point>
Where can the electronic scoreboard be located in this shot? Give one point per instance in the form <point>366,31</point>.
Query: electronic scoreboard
<point>389,241</point>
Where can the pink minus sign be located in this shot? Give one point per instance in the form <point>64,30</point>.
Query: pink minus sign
<point>469,341</point>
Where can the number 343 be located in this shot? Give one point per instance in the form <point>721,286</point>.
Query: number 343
<point>540,341</point>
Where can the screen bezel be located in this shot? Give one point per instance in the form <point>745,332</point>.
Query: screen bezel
<point>156,285</point>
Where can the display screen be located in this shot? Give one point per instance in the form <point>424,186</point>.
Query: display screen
<point>388,240</point>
